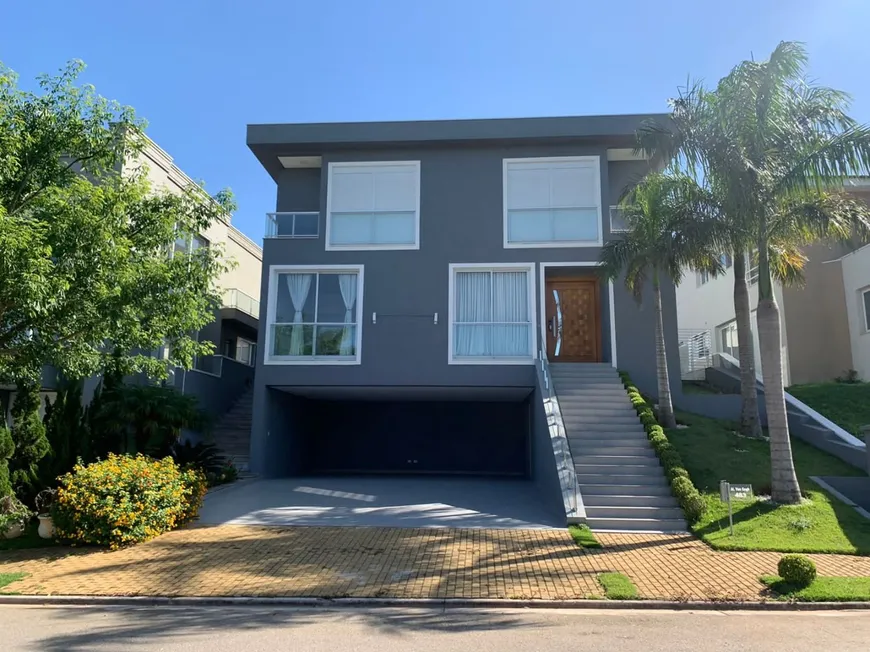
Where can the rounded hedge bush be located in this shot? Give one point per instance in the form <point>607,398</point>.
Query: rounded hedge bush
<point>125,499</point>
<point>797,570</point>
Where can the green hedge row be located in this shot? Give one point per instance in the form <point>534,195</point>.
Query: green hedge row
<point>684,491</point>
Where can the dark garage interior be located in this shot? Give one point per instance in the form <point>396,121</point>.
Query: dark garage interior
<point>472,437</point>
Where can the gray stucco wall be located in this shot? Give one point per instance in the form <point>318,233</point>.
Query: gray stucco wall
<point>461,221</point>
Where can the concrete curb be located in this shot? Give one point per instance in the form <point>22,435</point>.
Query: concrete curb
<point>359,603</point>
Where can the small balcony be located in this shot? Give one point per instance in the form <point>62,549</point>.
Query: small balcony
<point>238,300</point>
<point>293,225</point>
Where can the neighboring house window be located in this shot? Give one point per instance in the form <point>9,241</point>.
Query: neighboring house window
<point>491,314</point>
<point>726,261</point>
<point>373,206</point>
<point>703,277</point>
<point>728,339</point>
<point>315,315</point>
<point>866,299</point>
<point>184,244</point>
<point>552,202</point>
<point>617,220</point>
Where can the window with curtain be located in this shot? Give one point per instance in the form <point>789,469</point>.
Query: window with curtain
<point>491,314</point>
<point>552,202</point>
<point>316,316</point>
<point>373,205</point>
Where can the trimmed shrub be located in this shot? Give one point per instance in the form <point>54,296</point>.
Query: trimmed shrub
<point>7,447</point>
<point>797,570</point>
<point>28,434</point>
<point>687,495</point>
<point>125,499</point>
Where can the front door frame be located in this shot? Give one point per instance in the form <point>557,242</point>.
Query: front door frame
<point>542,312</point>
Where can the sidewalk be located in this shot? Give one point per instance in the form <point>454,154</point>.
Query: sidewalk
<point>401,563</point>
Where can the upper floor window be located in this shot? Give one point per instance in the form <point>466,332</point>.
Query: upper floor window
<point>552,202</point>
<point>373,205</point>
<point>491,314</point>
<point>314,315</point>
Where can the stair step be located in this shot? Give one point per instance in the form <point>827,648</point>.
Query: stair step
<point>616,500</point>
<point>633,512</point>
<point>657,480</point>
<point>619,415</point>
<point>647,470</point>
<point>604,427</point>
<point>590,443</point>
<point>582,448</point>
<point>623,489</point>
<point>637,524</point>
<point>615,460</point>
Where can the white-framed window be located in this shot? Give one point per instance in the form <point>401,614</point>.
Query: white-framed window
<point>617,220</point>
<point>552,202</point>
<point>865,303</point>
<point>373,205</point>
<point>314,314</point>
<point>491,314</point>
<point>703,277</point>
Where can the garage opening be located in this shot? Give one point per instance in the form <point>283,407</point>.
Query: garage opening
<point>417,436</point>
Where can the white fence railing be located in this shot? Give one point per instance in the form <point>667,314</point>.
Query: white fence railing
<point>696,353</point>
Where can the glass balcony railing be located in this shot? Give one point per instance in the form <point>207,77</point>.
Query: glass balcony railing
<point>208,364</point>
<point>293,225</point>
<point>237,299</point>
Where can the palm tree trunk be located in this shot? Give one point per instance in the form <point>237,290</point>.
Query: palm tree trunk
<point>750,424</point>
<point>666,406</point>
<point>783,479</point>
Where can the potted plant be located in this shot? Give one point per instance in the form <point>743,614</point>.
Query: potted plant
<point>44,501</point>
<point>13,517</point>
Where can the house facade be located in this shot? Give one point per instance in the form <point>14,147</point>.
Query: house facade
<point>824,321</point>
<point>415,273</point>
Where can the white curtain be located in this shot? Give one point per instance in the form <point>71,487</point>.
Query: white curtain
<point>347,285</point>
<point>473,314</point>
<point>299,286</point>
<point>510,307</point>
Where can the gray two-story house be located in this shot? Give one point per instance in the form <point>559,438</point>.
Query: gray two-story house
<point>418,277</point>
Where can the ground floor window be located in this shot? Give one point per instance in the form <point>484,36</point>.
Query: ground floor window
<point>315,315</point>
<point>491,314</point>
<point>728,339</point>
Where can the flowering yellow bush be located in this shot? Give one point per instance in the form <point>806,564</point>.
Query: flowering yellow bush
<point>125,500</point>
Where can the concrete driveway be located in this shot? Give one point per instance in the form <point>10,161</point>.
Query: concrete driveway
<point>411,502</point>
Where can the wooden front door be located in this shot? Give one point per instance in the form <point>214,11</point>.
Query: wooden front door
<point>573,320</point>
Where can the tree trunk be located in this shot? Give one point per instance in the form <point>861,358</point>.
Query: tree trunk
<point>783,479</point>
<point>750,424</point>
<point>666,406</point>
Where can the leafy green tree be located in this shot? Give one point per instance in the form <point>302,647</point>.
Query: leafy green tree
<point>777,148</point>
<point>28,435</point>
<point>667,232</point>
<point>7,447</point>
<point>87,274</point>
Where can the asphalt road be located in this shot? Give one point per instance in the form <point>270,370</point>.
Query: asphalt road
<point>251,629</point>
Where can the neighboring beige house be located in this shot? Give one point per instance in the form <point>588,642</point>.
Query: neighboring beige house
<point>234,332</point>
<point>824,323</point>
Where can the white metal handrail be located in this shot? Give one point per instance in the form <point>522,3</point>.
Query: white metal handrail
<point>567,474</point>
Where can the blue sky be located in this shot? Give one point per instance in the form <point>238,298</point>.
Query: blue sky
<point>200,70</point>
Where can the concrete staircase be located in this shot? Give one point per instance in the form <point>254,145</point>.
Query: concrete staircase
<point>623,486</point>
<point>233,432</point>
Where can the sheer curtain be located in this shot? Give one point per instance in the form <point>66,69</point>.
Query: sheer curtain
<point>473,314</point>
<point>347,285</point>
<point>299,285</point>
<point>510,307</point>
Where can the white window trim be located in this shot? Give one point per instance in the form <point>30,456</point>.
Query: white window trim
<point>562,243</point>
<point>370,247</point>
<point>610,296</point>
<point>863,292</point>
<point>274,271</point>
<point>529,268</point>
<point>614,207</point>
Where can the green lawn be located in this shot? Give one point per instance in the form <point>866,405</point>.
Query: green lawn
<point>846,404</point>
<point>823,589</point>
<point>712,451</point>
<point>8,578</point>
<point>583,536</point>
<point>617,586</point>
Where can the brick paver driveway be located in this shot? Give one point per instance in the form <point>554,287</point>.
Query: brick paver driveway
<point>396,562</point>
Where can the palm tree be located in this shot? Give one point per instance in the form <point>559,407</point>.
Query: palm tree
<point>669,229</point>
<point>778,149</point>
